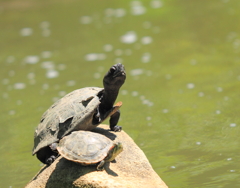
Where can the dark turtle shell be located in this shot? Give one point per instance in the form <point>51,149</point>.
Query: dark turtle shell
<point>85,147</point>
<point>72,112</point>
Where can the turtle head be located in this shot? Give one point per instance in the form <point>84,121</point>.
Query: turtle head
<point>115,77</point>
<point>114,151</point>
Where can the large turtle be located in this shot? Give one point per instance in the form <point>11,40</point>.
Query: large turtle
<point>82,109</point>
<point>88,148</point>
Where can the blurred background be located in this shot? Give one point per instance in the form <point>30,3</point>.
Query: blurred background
<point>180,99</point>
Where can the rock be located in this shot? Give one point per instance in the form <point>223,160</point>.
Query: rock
<point>130,169</point>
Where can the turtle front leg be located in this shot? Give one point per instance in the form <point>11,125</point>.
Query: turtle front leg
<point>46,155</point>
<point>50,159</point>
<point>113,122</point>
<point>101,165</point>
<point>53,155</point>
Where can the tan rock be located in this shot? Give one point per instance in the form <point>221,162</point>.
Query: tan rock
<point>131,169</point>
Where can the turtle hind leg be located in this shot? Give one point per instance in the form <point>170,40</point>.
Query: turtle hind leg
<point>46,155</point>
<point>50,159</point>
<point>114,120</point>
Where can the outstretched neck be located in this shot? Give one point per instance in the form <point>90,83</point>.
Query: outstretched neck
<point>108,99</point>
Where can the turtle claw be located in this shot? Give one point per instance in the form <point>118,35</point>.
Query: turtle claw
<point>100,168</point>
<point>116,128</point>
<point>50,160</point>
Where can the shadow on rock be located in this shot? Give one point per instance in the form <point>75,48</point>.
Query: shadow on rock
<point>105,132</point>
<point>108,170</point>
<point>66,172</point>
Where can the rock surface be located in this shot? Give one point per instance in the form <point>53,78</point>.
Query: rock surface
<point>131,169</point>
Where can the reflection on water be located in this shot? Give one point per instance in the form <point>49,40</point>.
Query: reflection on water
<point>181,94</point>
<point>129,37</point>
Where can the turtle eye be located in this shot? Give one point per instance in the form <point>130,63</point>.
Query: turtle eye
<point>112,69</point>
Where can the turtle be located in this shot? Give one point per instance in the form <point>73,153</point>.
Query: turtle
<point>88,148</point>
<point>81,109</point>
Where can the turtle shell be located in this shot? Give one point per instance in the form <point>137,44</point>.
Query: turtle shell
<point>72,112</point>
<point>85,147</point>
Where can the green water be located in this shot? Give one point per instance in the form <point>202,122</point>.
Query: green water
<point>181,97</point>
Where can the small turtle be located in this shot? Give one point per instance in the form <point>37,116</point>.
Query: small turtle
<point>82,109</point>
<point>88,148</point>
